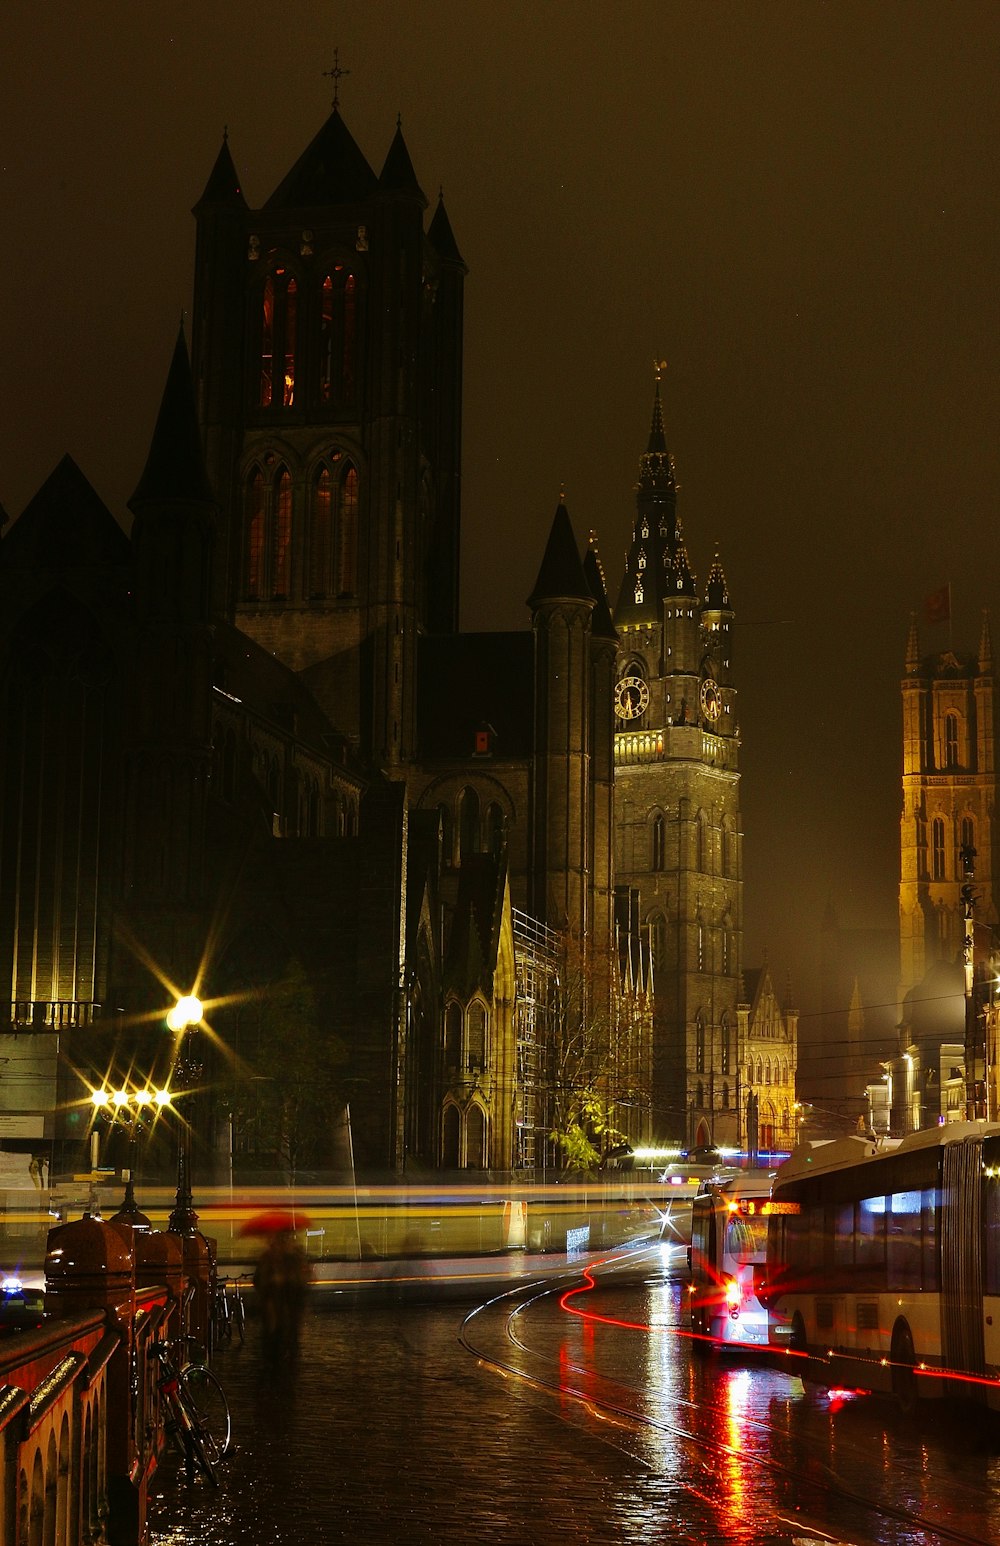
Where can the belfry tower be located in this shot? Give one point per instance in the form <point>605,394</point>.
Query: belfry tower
<point>949,802</point>
<point>677,815</point>
<point>327,355</point>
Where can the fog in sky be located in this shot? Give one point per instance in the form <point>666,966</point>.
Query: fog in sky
<point>794,205</point>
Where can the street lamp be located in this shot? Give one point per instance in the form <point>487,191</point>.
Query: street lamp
<point>185,1016</point>
<point>131,1108</point>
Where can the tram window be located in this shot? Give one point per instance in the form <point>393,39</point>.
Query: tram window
<point>870,1236</point>
<point>991,1220</point>
<point>904,1245</point>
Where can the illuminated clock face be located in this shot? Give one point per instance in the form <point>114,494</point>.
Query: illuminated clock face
<point>631,697</point>
<point>711,699</point>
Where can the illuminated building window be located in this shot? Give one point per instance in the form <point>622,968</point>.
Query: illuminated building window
<point>726,1047</point>
<point>760,1072</point>
<point>475,1138</point>
<point>254,526</point>
<point>699,1046</point>
<point>281,572</point>
<point>937,848</point>
<point>967,831</point>
<point>347,531</point>
<point>267,343</point>
<point>750,1072</point>
<point>701,946</point>
<point>767,1071</point>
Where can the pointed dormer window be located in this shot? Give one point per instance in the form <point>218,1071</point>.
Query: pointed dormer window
<point>642,558</point>
<point>645,530</point>
<point>638,592</point>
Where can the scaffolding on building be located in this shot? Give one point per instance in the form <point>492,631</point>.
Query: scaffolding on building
<point>538,1007</point>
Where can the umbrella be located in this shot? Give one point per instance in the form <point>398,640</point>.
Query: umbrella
<point>273,1221</point>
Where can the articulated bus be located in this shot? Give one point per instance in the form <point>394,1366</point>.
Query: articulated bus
<point>728,1246</point>
<point>885,1259</point>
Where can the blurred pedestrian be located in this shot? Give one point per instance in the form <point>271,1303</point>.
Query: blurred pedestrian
<point>281,1278</point>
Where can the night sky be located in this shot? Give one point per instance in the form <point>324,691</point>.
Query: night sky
<point>795,205</point>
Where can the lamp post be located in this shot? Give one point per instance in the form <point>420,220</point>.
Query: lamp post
<point>185,1017</point>
<point>132,1109</point>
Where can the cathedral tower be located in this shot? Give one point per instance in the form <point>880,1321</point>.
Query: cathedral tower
<point>677,814</point>
<point>949,801</point>
<point>327,347</point>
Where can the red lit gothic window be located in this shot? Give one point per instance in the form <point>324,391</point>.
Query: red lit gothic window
<point>254,529</point>
<point>338,337</point>
<point>278,336</point>
<point>282,561</point>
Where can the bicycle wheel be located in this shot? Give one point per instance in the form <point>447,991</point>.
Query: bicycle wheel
<point>223,1318</point>
<point>205,1401</point>
<point>198,1452</point>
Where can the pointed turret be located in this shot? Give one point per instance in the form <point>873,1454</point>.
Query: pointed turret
<point>223,186</point>
<point>985,645</point>
<point>331,170</point>
<point>602,627</point>
<point>561,576</point>
<point>646,581</point>
<point>716,589</point>
<point>175,467</point>
<point>66,525</point>
<point>912,647</point>
<point>442,238</point>
<point>398,175</point>
<point>682,580</point>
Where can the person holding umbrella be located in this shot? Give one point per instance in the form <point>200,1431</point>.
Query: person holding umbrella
<point>280,1279</point>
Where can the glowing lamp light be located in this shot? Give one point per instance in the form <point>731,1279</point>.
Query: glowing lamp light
<point>120,1097</point>
<point>100,1098</point>
<point>162,1097</point>
<point>142,1097</point>
<point>187,1011</point>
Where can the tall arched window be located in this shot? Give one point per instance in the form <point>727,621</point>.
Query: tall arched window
<point>967,833</point>
<point>767,1071</point>
<point>937,848</point>
<point>338,337</point>
<point>254,526</point>
<point>699,1045</point>
<point>702,838</point>
<point>475,1138</point>
<point>760,1071</point>
<point>700,945</point>
<point>278,329</point>
<point>281,565</point>
<point>347,531</point>
<point>475,1020</point>
<point>951,741</point>
<point>449,1138</point>
<point>658,834</point>
<point>468,823</point>
<point>658,941</point>
<point>726,1045</point>
<point>453,1035</point>
<point>321,548</point>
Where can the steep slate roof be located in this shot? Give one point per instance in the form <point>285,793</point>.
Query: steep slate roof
<point>223,186</point>
<point>561,577</point>
<point>175,467</point>
<point>65,526</point>
<point>468,680</point>
<point>331,170</point>
<point>475,934</point>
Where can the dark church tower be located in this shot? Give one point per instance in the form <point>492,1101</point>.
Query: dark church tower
<point>327,353</point>
<point>677,814</point>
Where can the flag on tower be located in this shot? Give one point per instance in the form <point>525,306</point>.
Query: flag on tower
<point>937,606</point>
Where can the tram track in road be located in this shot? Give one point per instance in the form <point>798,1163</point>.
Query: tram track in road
<point>610,1402</point>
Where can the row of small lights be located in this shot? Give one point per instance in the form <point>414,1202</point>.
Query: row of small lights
<point>186,1012</point>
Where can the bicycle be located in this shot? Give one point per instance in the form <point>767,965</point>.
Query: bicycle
<point>196,1411</point>
<point>230,1311</point>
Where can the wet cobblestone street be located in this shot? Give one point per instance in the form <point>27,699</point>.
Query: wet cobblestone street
<point>398,1424</point>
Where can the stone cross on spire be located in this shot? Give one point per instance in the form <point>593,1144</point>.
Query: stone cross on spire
<point>336,75</point>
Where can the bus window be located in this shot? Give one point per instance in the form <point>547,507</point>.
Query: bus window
<point>869,1240</point>
<point>903,1246</point>
<point>930,1213</point>
<point>746,1238</point>
<point>843,1235</point>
